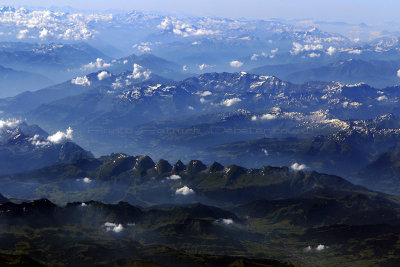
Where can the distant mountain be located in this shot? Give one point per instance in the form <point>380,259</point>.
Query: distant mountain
<point>377,73</point>
<point>29,100</point>
<point>178,183</point>
<point>156,65</point>
<point>383,173</point>
<point>24,147</point>
<point>13,82</point>
<point>356,209</point>
<point>55,61</point>
<point>123,102</point>
<point>3,199</point>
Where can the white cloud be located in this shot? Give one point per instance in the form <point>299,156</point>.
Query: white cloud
<point>313,55</point>
<point>274,51</point>
<point>254,118</point>
<point>84,204</point>
<point>60,137</point>
<point>236,64</point>
<point>87,180</point>
<point>139,72</point>
<point>231,101</point>
<point>298,48</point>
<point>227,221</point>
<point>36,141</point>
<point>398,73</point>
<point>254,57</point>
<point>205,66</point>
<point>44,34</point>
<point>184,68</point>
<point>265,152</point>
<point>298,167</point>
<point>382,98</point>
<point>331,51</point>
<point>174,177</point>
<point>23,34</point>
<point>125,61</point>
<point>205,93</point>
<point>83,81</point>
<point>113,227</point>
<point>183,29</point>
<point>9,123</point>
<point>320,247</point>
<point>144,49</point>
<point>184,191</point>
<point>98,64</point>
<point>103,75</point>
<point>268,116</point>
<point>355,51</point>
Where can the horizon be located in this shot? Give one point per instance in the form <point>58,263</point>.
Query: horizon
<point>356,12</point>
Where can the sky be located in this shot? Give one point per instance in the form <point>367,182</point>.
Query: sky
<point>354,11</point>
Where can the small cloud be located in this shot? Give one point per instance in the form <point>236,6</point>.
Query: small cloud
<point>205,66</point>
<point>87,180</point>
<point>83,81</point>
<point>313,55</point>
<point>103,75</point>
<point>174,177</point>
<point>298,48</point>
<point>331,51</point>
<point>23,34</point>
<point>398,73</point>
<point>205,93</point>
<point>37,141</point>
<point>9,123</point>
<point>184,68</point>
<point>227,221</point>
<point>355,51</point>
<point>265,152</point>
<point>113,227</point>
<point>144,49</point>
<point>254,118</point>
<point>84,204</point>
<point>44,34</point>
<point>268,117</point>
<point>321,247</point>
<point>318,248</point>
<point>236,64</point>
<point>184,191</point>
<point>125,62</point>
<point>191,107</point>
<point>139,72</point>
<point>382,98</point>
<point>98,64</point>
<point>231,101</point>
<point>298,167</point>
<point>60,137</point>
<point>254,57</point>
